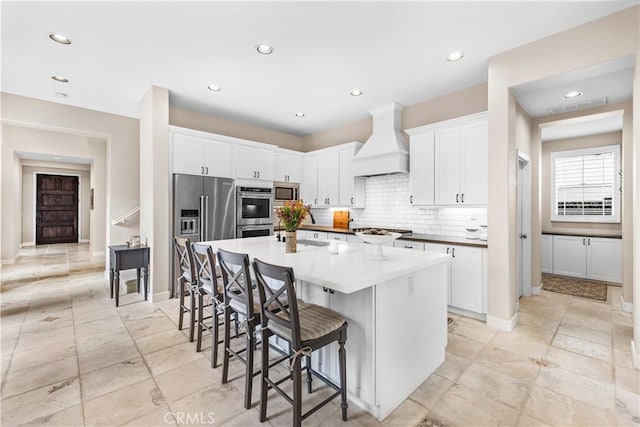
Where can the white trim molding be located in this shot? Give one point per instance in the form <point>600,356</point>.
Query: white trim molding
<point>27,244</point>
<point>536,290</point>
<point>501,324</point>
<point>9,261</point>
<point>635,356</point>
<point>625,306</point>
<point>160,296</point>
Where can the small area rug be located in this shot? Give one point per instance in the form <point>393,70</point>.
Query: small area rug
<point>575,287</point>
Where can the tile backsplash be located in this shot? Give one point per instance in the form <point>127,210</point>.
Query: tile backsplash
<point>387,205</point>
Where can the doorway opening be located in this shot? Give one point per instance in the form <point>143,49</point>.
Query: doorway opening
<point>57,212</point>
<point>523,226</point>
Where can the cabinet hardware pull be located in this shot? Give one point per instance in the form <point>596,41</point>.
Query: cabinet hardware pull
<point>258,174</point>
<point>207,170</point>
<point>315,201</point>
<point>408,246</point>
<point>352,200</point>
<point>583,239</point>
<point>453,252</point>
<point>330,291</point>
<point>411,199</point>
<point>462,198</point>
<point>324,289</point>
<point>589,241</point>
<point>202,171</point>
<point>457,198</point>
<point>254,174</point>
<point>447,251</point>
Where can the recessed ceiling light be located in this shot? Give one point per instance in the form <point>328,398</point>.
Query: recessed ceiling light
<point>60,79</point>
<point>455,56</point>
<point>60,94</point>
<point>300,114</point>
<point>572,94</point>
<point>264,49</point>
<point>214,88</point>
<point>59,38</point>
<point>356,92</point>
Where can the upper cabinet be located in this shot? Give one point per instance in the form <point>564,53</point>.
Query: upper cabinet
<point>449,162</point>
<point>327,177</point>
<point>309,184</point>
<point>194,155</point>
<point>461,164</point>
<point>287,166</point>
<point>253,163</point>
<point>421,150</point>
<point>351,188</point>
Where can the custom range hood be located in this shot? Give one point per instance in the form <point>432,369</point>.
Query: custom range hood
<point>386,151</point>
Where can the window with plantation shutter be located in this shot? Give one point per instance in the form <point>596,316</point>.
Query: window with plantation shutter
<point>586,185</point>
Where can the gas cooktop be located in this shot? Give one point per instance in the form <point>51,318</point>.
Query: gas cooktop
<point>391,230</point>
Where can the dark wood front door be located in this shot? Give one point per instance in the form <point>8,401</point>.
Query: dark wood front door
<point>56,209</point>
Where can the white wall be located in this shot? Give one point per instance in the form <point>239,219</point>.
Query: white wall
<point>28,210</point>
<point>387,205</point>
<point>605,39</point>
<point>79,130</point>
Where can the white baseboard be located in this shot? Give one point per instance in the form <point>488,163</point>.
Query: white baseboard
<point>97,253</point>
<point>27,244</point>
<point>625,306</point>
<point>9,261</point>
<point>83,241</point>
<point>536,290</point>
<point>635,356</point>
<point>160,296</point>
<point>501,324</point>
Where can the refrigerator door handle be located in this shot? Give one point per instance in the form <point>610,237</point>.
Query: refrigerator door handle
<point>206,219</point>
<point>201,217</point>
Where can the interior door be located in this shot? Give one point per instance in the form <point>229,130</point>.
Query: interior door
<point>56,209</point>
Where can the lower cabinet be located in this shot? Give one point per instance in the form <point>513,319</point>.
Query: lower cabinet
<point>309,234</point>
<point>467,287</point>
<point>595,258</point>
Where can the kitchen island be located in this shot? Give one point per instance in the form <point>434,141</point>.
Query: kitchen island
<point>396,310</point>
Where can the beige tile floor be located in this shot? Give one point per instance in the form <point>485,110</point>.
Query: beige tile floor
<point>69,357</point>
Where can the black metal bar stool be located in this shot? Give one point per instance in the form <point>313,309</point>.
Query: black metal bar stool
<point>187,286</point>
<point>307,327</point>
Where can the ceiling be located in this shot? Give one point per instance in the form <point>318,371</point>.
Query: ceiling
<point>392,51</point>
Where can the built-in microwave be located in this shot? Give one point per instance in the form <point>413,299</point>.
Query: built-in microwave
<point>285,191</point>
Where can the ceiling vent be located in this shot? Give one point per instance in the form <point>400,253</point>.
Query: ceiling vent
<point>578,106</point>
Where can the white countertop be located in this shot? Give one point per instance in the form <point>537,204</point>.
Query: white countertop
<point>348,271</point>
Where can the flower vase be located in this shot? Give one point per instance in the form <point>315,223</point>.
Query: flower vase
<point>291,241</point>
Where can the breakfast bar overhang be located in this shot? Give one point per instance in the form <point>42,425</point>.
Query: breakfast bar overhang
<point>396,309</point>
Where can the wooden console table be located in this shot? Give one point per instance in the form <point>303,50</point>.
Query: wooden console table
<point>124,257</point>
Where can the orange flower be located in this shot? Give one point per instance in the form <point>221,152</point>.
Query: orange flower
<point>292,213</point>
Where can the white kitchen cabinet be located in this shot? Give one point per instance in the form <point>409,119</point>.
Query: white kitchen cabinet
<point>253,162</point>
<point>421,163</point>
<point>570,256</point>
<point>604,259</point>
<point>337,236</point>
<point>287,166</point>
<point>595,258</point>
<point>351,189</point>
<point>467,283</point>
<point>309,184</point>
<point>194,155</point>
<point>546,256</point>
<point>359,307</point>
<point>329,178</point>
<point>310,234</point>
<point>461,158</point>
<point>408,244</point>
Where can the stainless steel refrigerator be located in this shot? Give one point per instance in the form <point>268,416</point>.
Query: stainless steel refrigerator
<point>203,209</point>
